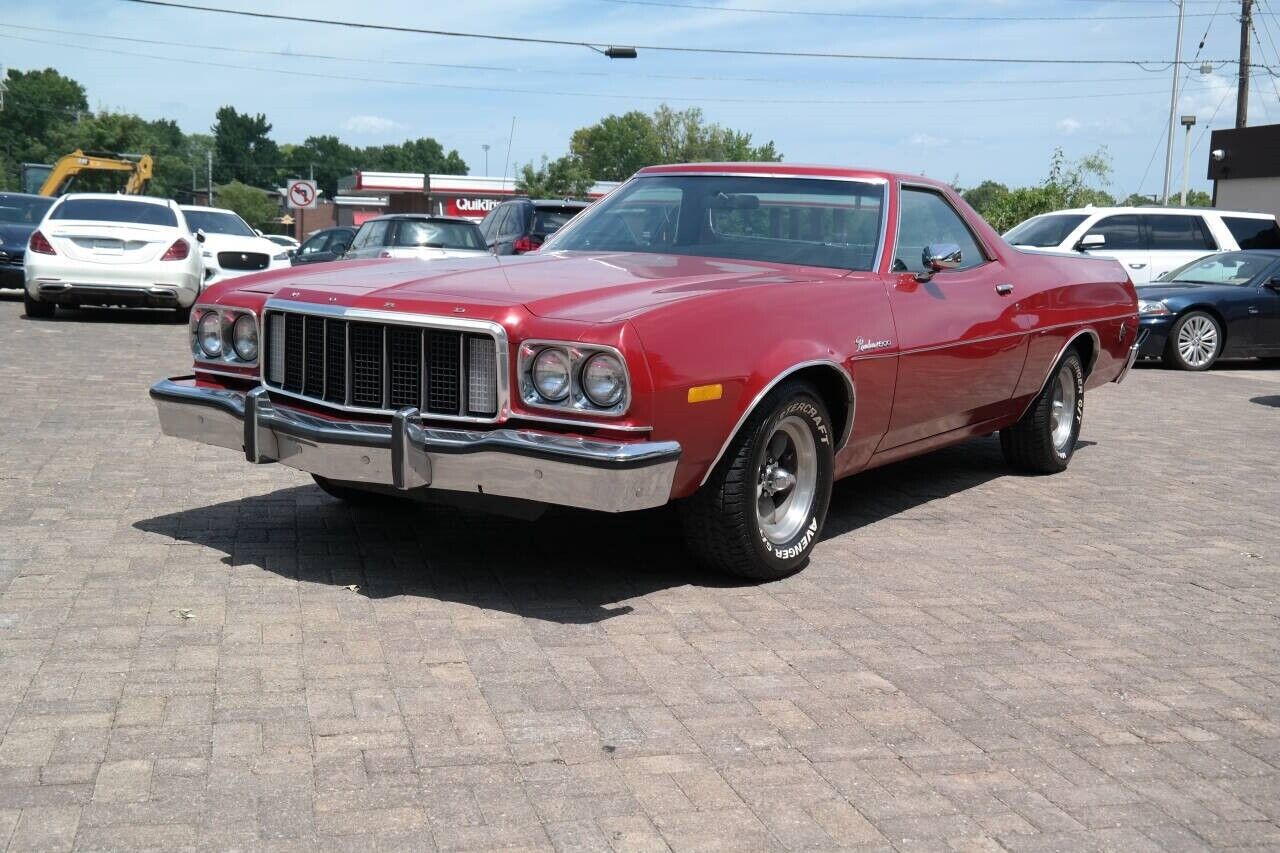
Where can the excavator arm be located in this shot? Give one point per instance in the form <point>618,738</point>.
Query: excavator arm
<point>139,169</point>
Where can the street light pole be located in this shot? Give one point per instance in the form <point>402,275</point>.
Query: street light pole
<point>485,146</point>
<point>1188,122</point>
<point>1173,106</point>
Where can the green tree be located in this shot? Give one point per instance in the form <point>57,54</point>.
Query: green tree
<point>424,155</point>
<point>985,196</point>
<point>563,177</point>
<point>254,205</point>
<point>615,147</point>
<point>36,104</point>
<point>243,149</point>
<point>1068,184</point>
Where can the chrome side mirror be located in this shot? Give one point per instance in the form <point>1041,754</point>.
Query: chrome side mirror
<point>199,235</point>
<point>937,257</point>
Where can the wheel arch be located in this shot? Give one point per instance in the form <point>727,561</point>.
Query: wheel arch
<point>1213,311</point>
<point>831,381</point>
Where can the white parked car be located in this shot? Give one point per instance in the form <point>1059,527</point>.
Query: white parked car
<point>1148,241</point>
<point>290,245</point>
<point>417,235</point>
<point>98,249</point>
<point>230,247</point>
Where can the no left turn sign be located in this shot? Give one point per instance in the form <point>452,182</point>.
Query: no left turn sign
<point>301,193</point>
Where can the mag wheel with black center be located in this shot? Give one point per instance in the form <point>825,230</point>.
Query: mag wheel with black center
<point>1044,439</point>
<point>760,512</point>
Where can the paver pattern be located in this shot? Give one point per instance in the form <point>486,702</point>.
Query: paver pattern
<point>200,654</point>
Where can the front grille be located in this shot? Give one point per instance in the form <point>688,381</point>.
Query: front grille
<point>382,366</point>
<point>243,260</point>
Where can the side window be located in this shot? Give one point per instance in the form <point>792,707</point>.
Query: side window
<point>926,218</point>
<point>497,229</point>
<point>513,225</point>
<point>1173,232</point>
<point>1122,232</point>
<point>372,234</point>
<point>339,242</point>
<point>362,236</point>
<point>314,245</point>
<point>1251,233</point>
<point>490,219</point>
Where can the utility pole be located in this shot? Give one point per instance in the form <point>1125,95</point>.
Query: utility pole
<point>208,154</point>
<point>1173,105</point>
<point>1242,88</point>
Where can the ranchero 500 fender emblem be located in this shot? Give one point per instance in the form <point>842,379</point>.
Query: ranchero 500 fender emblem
<point>863,344</point>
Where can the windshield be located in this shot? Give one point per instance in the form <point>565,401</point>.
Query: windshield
<point>217,222</point>
<point>439,234</point>
<point>23,209</point>
<point>115,210</point>
<point>1045,232</point>
<point>1238,268</point>
<point>825,223</point>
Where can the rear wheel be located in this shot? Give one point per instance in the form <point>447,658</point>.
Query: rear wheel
<point>36,309</point>
<point>759,514</point>
<point>1195,342</point>
<point>1043,441</point>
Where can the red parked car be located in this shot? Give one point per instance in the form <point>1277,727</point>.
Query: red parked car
<point>734,337</point>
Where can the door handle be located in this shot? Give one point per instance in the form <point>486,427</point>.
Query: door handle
<point>1136,266</point>
<point>1004,289</point>
<point>1253,309</point>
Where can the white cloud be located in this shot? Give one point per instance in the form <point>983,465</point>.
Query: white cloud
<point>925,140</point>
<point>1068,125</point>
<point>369,125</point>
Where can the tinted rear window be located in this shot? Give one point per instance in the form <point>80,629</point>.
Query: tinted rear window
<point>115,210</point>
<point>1044,232</point>
<point>548,220</point>
<point>1178,233</point>
<point>438,234</point>
<point>1253,233</point>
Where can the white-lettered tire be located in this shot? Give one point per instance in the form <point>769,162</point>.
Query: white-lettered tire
<point>1195,342</point>
<point>36,309</point>
<point>759,514</point>
<point>1044,440</point>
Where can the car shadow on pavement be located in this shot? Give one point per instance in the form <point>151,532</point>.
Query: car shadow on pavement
<point>1272,400</point>
<point>94,314</point>
<point>568,566</point>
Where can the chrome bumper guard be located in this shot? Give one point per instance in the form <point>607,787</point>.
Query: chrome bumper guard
<point>611,476</point>
<point>1133,355</point>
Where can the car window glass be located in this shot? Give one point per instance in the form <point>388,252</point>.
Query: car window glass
<point>115,210</point>
<point>438,234</point>
<point>25,209</point>
<point>513,225</point>
<point>314,244</point>
<point>340,242</point>
<point>1045,232</point>
<point>1123,232</point>
<point>1236,268</point>
<point>373,233</point>
<point>217,222</point>
<point>548,220</point>
<point>1171,232</point>
<point>1253,233</point>
<point>926,219</point>
<point>486,224</point>
<point>499,218</point>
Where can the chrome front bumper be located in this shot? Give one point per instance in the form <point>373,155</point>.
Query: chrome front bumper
<point>611,476</point>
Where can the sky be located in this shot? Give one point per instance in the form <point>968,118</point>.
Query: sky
<point>962,122</point>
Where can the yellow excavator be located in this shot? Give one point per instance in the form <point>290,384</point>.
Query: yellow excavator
<point>138,166</point>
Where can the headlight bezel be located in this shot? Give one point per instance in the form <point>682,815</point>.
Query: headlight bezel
<point>227,317</point>
<point>576,401</point>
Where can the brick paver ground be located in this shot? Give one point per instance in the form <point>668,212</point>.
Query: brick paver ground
<point>973,661</point>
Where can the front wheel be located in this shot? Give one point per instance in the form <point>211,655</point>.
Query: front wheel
<point>36,309</point>
<point>759,514</point>
<point>1044,439</point>
<point>1195,342</point>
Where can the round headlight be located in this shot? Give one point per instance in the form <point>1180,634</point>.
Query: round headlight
<point>209,334</point>
<point>604,380</point>
<point>244,337</point>
<point>551,374</point>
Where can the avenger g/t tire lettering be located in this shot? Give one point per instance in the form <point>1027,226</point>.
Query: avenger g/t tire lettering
<point>760,513</point>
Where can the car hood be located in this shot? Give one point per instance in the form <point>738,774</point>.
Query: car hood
<point>587,287</point>
<point>1179,290</point>
<point>15,234</point>
<point>236,243</point>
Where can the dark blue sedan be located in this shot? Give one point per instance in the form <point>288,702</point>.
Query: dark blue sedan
<point>19,215</point>
<point>1225,305</point>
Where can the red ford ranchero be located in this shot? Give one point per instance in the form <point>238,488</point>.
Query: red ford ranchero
<point>733,337</point>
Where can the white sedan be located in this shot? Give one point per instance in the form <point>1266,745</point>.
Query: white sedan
<point>230,247</point>
<point>97,249</point>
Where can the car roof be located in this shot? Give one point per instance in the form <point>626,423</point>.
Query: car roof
<point>144,199</point>
<point>1089,211</point>
<point>7,194</point>
<point>558,202</point>
<point>425,217</point>
<point>789,170</point>
<point>200,208</point>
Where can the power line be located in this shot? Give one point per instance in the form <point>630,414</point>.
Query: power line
<point>600,46</point>
<point>890,16</point>
<point>289,54</point>
<point>626,96</point>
